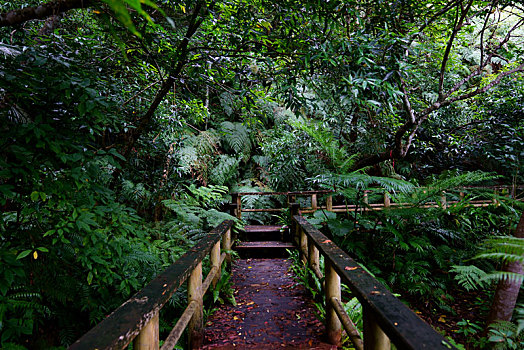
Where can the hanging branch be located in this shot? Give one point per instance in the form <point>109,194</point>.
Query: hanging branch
<point>15,17</point>
<point>458,25</point>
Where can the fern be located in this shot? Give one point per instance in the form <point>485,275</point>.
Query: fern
<point>197,153</point>
<point>225,170</point>
<point>255,202</point>
<point>469,277</point>
<point>503,248</point>
<point>237,137</point>
<point>359,180</point>
<point>507,335</point>
<point>324,137</point>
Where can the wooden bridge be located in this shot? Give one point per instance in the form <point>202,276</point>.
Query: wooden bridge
<point>386,319</point>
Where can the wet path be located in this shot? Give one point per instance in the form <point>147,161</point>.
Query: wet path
<point>273,311</point>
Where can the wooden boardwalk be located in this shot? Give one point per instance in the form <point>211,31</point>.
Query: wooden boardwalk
<point>273,311</point>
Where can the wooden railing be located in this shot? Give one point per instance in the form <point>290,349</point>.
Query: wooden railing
<point>386,319</point>
<point>138,318</point>
<point>329,204</point>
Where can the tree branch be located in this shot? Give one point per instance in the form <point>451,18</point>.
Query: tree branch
<point>182,52</point>
<point>15,17</point>
<point>458,25</point>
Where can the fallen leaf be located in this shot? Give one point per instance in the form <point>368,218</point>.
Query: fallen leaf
<point>442,319</point>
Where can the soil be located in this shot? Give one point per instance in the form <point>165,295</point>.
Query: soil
<point>472,306</point>
<point>273,311</point>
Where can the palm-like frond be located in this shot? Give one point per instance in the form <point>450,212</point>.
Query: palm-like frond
<point>469,277</point>
<point>360,180</point>
<point>237,137</point>
<point>503,248</point>
<point>225,170</point>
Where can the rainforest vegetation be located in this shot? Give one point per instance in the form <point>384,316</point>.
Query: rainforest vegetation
<point>126,124</point>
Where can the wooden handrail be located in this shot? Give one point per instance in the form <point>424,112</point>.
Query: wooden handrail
<point>385,316</point>
<point>237,210</point>
<point>138,316</point>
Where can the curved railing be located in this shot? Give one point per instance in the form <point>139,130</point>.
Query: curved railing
<point>386,319</point>
<point>137,319</point>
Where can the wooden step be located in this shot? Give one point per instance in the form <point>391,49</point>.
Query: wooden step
<point>264,228</point>
<point>265,233</point>
<point>263,249</point>
<point>264,244</point>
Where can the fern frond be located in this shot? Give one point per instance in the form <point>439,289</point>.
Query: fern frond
<point>360,180</point>
<point>469,277</point>
<point>225,170</point>
<point>504,276</point>
<point>503,248</point>
<point>237,137</point>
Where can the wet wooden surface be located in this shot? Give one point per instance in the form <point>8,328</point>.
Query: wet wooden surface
<point>273,311</point>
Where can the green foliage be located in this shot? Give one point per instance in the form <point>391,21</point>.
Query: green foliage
<point>223,291</point>
<point>196,155</point>
<point>423,241</point>
<point>101,127</point>
<point>508,335</point>
<point>225,171</point>
<point>237,137</point>
<point>469,277</point>
<point>198,209</point>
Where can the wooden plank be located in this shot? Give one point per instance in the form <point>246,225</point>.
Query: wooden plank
<point>295,193</point>
<point>119,328</point>
<point>403,326</point>
<point>269,210</point>
<point>263,228</point>
<point>264,244</point>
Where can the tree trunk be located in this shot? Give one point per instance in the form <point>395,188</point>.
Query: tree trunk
<point>507,290</point>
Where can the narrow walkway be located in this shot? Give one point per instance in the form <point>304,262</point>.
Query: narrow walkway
<point>273,311</point>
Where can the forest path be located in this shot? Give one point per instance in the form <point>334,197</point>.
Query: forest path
<point>273,311</point>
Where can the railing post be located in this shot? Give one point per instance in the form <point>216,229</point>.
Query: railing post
<point>443,200</point>
<point>148,338</point>
<point>239,207</point>
<point>387,201</point>
<point>313,255</point>
<point>495,200</point>
<point>294,207</point>
<point>303,247</point>
<point>314,202</point>
<point>329,203</point>
<point>374,337</point>
<point>226,246</point>
<point>333,325</point>
<point>194,293</point>
<point>214,257</point>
